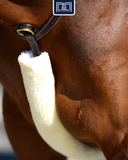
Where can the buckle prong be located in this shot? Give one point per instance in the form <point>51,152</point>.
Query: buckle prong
<point>24,30</point>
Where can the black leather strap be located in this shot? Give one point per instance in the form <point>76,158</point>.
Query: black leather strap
<point>37,33</point>
<point>47,27</point>
<point>35,47</point>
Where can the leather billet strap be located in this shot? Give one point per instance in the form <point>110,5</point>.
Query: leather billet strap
<point>32,34</point>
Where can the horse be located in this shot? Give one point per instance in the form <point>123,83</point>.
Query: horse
<point>88,53</point>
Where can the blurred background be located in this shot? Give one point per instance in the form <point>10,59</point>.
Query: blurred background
<point>6,151</point>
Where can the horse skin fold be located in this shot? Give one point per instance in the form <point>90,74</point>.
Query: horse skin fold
<point>39,81</point>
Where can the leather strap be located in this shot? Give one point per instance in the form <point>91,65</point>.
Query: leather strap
<point>26,30</point>
<point>47,27</point>
<point>35,47</point>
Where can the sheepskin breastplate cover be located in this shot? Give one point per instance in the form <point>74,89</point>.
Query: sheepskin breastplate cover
<point>39,80</point>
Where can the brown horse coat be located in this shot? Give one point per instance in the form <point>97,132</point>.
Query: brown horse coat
<point>89,58</point>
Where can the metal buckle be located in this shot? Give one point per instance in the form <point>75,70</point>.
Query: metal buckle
<point>24,30</point>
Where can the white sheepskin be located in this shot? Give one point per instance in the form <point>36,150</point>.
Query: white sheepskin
<point>39,84</point>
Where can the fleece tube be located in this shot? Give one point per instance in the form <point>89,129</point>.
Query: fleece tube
<point>38,80</point>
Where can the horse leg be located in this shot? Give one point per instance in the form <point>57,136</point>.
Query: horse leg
<point>23,136</point>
